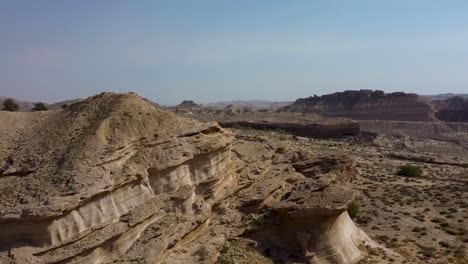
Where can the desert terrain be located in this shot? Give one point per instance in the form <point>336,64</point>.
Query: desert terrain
<point>234,132</point>
<point>115,178</point>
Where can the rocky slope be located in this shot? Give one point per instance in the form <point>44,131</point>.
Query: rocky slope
<point>365,105</point>
<point>113,179</point>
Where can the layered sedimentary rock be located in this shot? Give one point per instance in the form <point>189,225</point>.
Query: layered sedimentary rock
<point>297,124</point>
<point>322,229</point>
<point>113,179</point>
<point>365,105</point>
<point>302,198</point>
<point>68,175</point>
<point>453,109</point>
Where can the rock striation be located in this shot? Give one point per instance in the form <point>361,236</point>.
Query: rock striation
<point>302,199</point>
<point>114,179</point>
<point>69,177</point>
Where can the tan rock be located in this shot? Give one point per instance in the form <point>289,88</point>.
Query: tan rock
<point>113,179</point>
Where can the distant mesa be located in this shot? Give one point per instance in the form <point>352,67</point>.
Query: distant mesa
<point>378,105</point>
<point>188,104</point>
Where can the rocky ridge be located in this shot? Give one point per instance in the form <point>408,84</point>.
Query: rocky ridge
<point>113,179</point>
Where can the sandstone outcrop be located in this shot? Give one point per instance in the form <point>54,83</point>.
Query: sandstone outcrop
<point>80,185</point>
<point>298,200</point>
<point>113,179</point>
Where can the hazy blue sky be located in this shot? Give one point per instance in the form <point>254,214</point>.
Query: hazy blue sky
<point>221,50</point>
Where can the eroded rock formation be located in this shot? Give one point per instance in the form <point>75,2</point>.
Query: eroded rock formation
<point>113,179</point>
<point>69,177</point>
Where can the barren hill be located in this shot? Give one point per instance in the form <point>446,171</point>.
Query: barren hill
<point>113,179</point>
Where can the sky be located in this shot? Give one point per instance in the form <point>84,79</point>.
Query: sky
<point>219,50</point>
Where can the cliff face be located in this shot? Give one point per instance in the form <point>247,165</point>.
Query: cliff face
<point>454,109</point>
<point>297,124</point>
<point>365,105</point>
<point>113,179</point>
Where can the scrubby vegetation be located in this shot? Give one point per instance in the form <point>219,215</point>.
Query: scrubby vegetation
<point>409,170</point>
<point>354,209</point>
<point>39,107</point>
<point>10,105</point>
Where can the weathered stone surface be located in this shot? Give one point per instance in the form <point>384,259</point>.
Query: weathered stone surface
<point>113,179</point>
<point>84,168</point>
<point>297,204</point>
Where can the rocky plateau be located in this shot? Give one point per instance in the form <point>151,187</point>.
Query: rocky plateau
<point>378,105</point>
